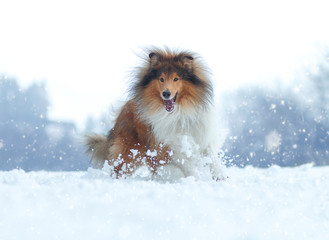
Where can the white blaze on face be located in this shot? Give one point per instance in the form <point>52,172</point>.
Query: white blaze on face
<point>273,141</point>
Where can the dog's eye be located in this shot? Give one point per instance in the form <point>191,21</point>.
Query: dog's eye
<point>161,80</point>
<point>175,79</point>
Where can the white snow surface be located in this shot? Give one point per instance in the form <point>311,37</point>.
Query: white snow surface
<point>274,203</point>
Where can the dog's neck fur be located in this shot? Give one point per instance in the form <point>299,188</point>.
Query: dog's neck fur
<point>170,128</point>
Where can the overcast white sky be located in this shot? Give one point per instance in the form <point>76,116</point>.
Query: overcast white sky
<point>85,49</point>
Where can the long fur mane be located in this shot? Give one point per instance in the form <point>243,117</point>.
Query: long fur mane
<point>168,58</point>
<point>189,118</point>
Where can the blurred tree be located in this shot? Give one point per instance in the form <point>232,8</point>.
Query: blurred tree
<point>29,140</point>
<point>270,128</point>
<point>320,82</point>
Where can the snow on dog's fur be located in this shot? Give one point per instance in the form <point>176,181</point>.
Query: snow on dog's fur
<point>167,124</point>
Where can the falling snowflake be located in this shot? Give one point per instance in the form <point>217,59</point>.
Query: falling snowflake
<point>273,141</point>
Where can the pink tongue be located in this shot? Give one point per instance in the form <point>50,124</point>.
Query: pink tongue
<point>170,105</point>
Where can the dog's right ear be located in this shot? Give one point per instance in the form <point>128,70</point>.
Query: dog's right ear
<point>154,59</point>
<point>188,62</point>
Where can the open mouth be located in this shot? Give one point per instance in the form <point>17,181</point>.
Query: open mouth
<point>170,104</point>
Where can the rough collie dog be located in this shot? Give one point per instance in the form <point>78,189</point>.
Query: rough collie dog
<point>167,125</point>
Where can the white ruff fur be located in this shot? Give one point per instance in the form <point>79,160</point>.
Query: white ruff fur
<point>191,135</point>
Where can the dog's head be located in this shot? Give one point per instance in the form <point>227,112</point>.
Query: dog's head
<point>173,78</point>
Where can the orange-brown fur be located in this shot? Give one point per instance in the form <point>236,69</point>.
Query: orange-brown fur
<point>131,131</point>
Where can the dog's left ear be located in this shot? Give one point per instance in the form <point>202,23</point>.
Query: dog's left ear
<point>154,59</point>
<point>188,62</point>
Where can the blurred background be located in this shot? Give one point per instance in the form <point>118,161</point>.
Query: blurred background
<point>65,64</point>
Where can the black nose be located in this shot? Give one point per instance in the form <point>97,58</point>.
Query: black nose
<point>166,94</point>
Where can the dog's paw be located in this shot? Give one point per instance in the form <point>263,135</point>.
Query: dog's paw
<point>220,178</point>
<point>169,172</point>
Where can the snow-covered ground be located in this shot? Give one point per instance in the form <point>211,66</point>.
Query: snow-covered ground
<point>274,203</point>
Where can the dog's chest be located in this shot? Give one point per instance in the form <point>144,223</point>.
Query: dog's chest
<point>172,129</point>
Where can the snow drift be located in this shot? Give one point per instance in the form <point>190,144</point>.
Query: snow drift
<point>273,203</point>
